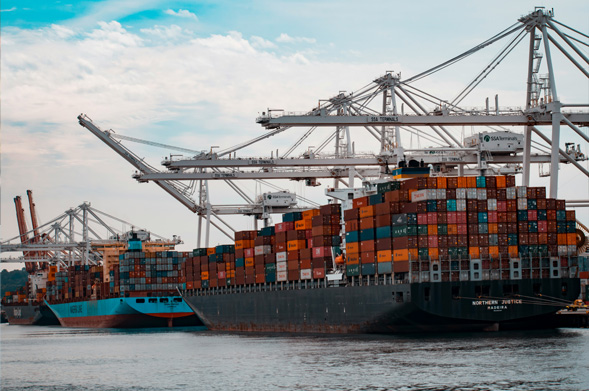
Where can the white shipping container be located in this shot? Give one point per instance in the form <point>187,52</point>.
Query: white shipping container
<point>432,194</point>
<point>511,193</point>
<point>281,266</point>
<point>460,194</point>
<point>481,194</point>
<point>281,276</point>
<point>492,204</point>
<point>522,204</point>
<point>471,194</point>
<point>261,250</point>
<point>419,195</point>
<point>441,194</point>
<point>522,191</point>
<point>281,256</point>
<point>306,274</point>
<point>461,205</point>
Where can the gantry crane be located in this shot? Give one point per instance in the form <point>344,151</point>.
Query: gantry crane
<point>387,111</point>
<point>59,242</point>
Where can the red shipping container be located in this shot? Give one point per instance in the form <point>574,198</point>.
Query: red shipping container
<point>319,273</point>
<point>432,241</point>
<point>432,218</point>
<point>451,217</point>
<point>320,252</point>
<point>422,218</point>
<point>367,245</point>
<point>368,257</point>
<point>284,226</point>
<point>305,264</point>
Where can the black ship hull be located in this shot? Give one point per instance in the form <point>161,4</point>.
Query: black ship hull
<point>391,308</point>
<point>30,314</point>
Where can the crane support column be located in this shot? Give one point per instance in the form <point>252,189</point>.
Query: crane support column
<point>556,119</point>
<point>528,129</point>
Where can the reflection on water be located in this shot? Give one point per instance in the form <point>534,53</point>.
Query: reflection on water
<point>54,358</point>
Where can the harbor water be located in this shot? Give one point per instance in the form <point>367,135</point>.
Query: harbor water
<point>55,358</point>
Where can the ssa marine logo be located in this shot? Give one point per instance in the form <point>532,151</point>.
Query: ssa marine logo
<point>487,138</point>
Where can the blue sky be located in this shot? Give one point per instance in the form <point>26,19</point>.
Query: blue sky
<point>196,74</point>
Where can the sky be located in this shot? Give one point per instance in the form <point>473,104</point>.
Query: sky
<point>196,74</point>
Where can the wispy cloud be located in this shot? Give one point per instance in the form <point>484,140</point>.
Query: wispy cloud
<point>285,38</point>
<point>261,43</point>
<point>181,13</point>
<point>9,10</point>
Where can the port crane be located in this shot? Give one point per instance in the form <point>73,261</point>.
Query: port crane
<point>388,111</point>
<point>82,235</point>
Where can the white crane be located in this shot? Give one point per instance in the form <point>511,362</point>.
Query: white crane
<point>384,110</point>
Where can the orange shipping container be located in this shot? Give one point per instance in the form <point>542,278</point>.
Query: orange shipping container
<point>461,182</point>
<point>432,229</point>
<point>309,214</point>
<point>249,262</point>
<point>452,229</point>
<point>433,253</point>
<point>204,275</point>
<point>353,258</point>
<point>210,250</point>
<point>366,211</point>
<point>493,228</point>
<point>501,181</point>
<point>400,255</point>
<point>295,244</point>
<point>301,225</point>
<point>571,239</point>
<point>494,251</point>
<point>352,248</point>
<point>384,256</point>
<point>513,251</point>
<point>562,239</point>
<point>474,252</point>
<point>442,182</point>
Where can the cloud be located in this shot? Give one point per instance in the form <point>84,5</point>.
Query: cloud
<point>259,42</point>
<point>167,33</point>
<point>285,38</point>
<point>9,10</point>
<point>181,13</point>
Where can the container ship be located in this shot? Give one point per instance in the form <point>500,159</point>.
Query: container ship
<point>138,291</point>
<point>25,306</point>
<point>423,254</point>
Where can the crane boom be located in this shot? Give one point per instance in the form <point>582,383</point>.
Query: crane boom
<point>137,162</point>
<point>22,229</point>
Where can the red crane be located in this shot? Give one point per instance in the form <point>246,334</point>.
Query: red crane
<point>37,238</point>
<point>23,231</point>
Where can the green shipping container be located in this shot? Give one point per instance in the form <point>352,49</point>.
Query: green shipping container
<point>352,270</point>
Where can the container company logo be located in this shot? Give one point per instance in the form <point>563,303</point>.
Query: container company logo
<point>496,305</point>
<point>488,138</point>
